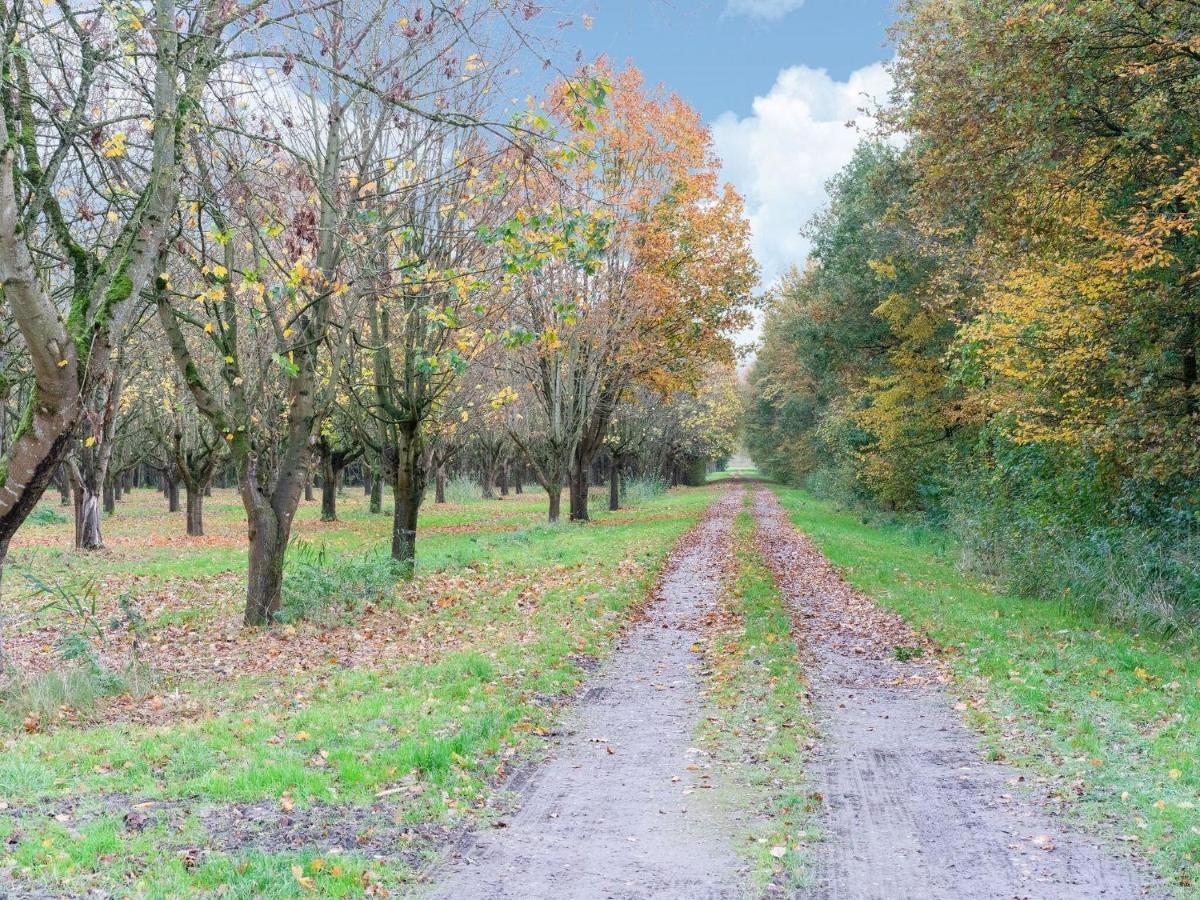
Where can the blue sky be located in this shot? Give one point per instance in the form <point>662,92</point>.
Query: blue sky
<point>777,80</point>
<point>719,54</point>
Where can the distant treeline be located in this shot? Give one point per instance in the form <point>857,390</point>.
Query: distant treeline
<point>998,326</point>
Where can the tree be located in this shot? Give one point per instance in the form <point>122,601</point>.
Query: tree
<point>653,275</point>
<point>87,192</point>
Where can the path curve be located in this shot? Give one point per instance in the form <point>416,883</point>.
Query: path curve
<point>622,809</point>
<point>911,807</point>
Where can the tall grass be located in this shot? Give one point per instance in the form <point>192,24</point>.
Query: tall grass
<point>463,489</point>
<point>327,587</point>
<point>1148,577</point>
<point>639,490</point>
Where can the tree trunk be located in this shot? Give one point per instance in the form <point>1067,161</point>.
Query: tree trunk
<point>264,583</point>
<point>308,487</point>
<point>486,480</point>
<point>503,480</point>
<point>110,497</point>
<point>614,486</point>
<point>408,486</point>
<point>1191,370</point>
<point>328,491</point>
<point>172,494</point>
<point>87,519</point>
<point>554,492</point>
<point>579,493</point>
<point>64,488</point>
<point>439,485</point>
<point>517,474</point>
<point>195,509</point>
<point>87,480</point>
<point>368,480</point>
<point>376,491</point>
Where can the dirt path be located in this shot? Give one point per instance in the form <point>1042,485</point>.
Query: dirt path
<point>622,810</point>
<point>912,809</point>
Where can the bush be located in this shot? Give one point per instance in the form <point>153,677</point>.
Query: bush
<point>322,587</point>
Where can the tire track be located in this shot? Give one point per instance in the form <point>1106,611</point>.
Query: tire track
<point>621,809</point>
<point>911,807</point>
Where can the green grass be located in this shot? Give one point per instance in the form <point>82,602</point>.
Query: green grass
<point>763,725</point>
<point>1109,715</point>
<point>748,472</point>
<point>489,643</point>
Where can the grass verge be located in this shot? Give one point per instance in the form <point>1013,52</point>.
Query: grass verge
<point>762,726</point>
<point>1108,716</point>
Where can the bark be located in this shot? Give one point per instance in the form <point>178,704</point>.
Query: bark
<point>172,494</point>
<point>328,493</point>
<point>40,443</point>
<point>486,481</point>
<point>87,520</point>
<point>368,480</point>
<point>376,491</point>
<point>195,509</point>
<point>579,483</point>
<point>517,474</point>
<point>503,480</point>
<point>614,486</point>
<point>88,487</point>
<point>110,497</point>
<point>333,464</point>
<point>554,492</point>
<point>264,582</point>
<point>439,485</point>
<point>408,484</point>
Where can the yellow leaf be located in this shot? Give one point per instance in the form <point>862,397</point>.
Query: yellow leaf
<point>89,441</point>
<point>208,327</point>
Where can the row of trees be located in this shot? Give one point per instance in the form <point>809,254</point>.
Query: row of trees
<point>999,321</point>
<point>286,237</point>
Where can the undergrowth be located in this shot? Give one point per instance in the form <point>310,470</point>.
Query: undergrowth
<point>326,587</point>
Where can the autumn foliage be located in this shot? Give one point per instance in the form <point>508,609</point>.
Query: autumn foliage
<point>998,325</point>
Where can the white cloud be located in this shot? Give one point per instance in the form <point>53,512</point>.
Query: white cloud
<point>762,9</point>
<point>780,157</point>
